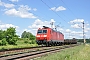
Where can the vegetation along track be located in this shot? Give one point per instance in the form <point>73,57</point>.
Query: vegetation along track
<point>35,53</point>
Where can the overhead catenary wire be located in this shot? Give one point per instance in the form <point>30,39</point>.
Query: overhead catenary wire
<point>60,11</point>
<point>64,14</point>
<point>53,11</point>
<point>70,11</point>
<point>69,8</point>
<point>36,14</point>
<point>58,14</point>
<point>29,11</point>
<point>75,23</point>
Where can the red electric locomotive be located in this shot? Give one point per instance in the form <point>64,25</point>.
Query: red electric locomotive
<point>48,36</point>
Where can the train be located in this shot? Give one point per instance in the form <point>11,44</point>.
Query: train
<point>50,37</point>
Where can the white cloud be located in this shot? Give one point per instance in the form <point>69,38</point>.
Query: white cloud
<point>60,29</point>
<point>72,34</point>
<point>1,3</point>
<point>34,9</point>
<point>60,8</point>
<point>6,5</point>
<point>77,21</point>
<point>52,20</point>
<point>14,0</point>
<point>24,8</point>
<point>68,30</point>
<point>39,24</point>
<point>87,29</point>
<point>4,26</point>
<point>23,12</point>
<point>76,26</point>
<point>9,5</point>
<point>53,8</point>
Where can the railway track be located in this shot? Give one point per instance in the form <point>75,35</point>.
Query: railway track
<point>34,53</point>
<point>6,52</point>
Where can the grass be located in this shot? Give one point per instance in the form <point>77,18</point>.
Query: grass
<point>20,44</point>
<point>17,46</point>
<point>81,52</point>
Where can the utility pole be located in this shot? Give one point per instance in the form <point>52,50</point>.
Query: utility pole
<point>84,34</point>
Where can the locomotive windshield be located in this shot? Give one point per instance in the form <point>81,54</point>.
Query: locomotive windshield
<point>39,31</point>
<point>42,31</point>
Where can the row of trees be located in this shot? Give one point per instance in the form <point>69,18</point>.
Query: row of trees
<point>81,40</point>
<point>9,36</point>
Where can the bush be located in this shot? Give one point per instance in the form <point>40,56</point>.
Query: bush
<point>26,41</point>
<point>4,42</point>
<point>12,41</point>
<point>0,43</point>
<point>33,42</point>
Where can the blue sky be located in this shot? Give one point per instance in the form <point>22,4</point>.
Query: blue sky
<point>29,15</point>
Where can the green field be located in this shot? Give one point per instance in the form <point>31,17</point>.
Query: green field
<point>81,52</point>
<point>20,44</point>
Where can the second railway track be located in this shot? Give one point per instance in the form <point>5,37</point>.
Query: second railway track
<point>34,53</point>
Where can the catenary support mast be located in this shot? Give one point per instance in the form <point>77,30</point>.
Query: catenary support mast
<point>84,33</point>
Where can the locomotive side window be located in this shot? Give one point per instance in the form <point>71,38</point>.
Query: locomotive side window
<point>44,31</point>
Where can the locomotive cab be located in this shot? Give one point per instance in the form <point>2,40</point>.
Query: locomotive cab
<point>42,35</point>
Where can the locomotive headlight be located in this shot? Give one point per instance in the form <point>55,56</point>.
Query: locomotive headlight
<point>45,36</point>
<point>38,35</point>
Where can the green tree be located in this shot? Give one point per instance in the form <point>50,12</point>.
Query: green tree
<point>10,35</point>
<point>28,35</point>
<point>32,37</point>
<point>25,35</point>
<point>1,34</point>
<point>3,42</point>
